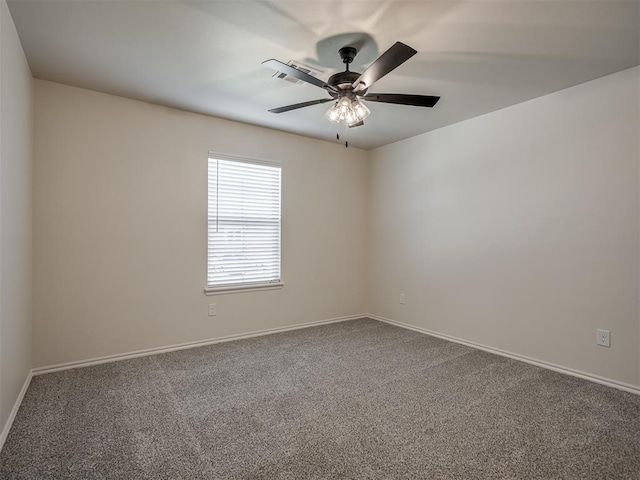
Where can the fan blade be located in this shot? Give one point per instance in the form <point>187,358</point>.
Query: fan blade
<point>388,61</point>
<point>359,124</point>
<point>402,99</point>
<point>300,105</point>
<point>294,72</point>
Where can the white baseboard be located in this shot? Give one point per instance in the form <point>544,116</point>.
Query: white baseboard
<point>627,387</point>
<point>14,411</point>
<point>182,346</point>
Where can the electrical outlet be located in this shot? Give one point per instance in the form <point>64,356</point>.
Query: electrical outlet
<point>603,337</point>
<point>212,310</point>
<point>403,299</point>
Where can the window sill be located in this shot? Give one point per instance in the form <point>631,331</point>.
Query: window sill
<point>242,288</point>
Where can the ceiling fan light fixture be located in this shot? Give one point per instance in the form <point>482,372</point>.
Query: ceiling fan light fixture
<point>333,114</point>
<point>344,104</point>
<point>347,111</point>
<point>360,110</point>
<point>346,88</point>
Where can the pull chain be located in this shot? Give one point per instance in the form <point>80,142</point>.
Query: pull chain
<point>346,143</point>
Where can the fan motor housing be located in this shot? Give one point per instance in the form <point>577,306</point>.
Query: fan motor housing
<point>343,81</point>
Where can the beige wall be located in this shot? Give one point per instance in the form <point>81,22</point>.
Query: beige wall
<point>120,227</point>
<point>15,215</point>
<point>519,229</point>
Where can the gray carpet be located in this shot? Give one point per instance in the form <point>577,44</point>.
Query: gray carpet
<point>354,400</point>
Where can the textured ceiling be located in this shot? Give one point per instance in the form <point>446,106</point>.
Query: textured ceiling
<point>479,56</point>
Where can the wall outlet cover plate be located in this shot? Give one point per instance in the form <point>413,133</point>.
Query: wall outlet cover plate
<point>603,338</point>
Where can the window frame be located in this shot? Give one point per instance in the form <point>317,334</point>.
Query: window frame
<point>239,287</point>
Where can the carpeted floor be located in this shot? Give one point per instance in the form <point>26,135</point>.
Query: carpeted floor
<point>353,400</point>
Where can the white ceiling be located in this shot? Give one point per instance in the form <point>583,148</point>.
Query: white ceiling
<point>205,56</point>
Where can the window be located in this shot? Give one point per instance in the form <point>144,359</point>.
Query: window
<point>243,248</point>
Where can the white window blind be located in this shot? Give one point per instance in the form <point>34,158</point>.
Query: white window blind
<point>243,223</point>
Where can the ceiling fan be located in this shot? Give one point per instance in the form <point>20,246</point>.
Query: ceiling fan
<point>348,88</point>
